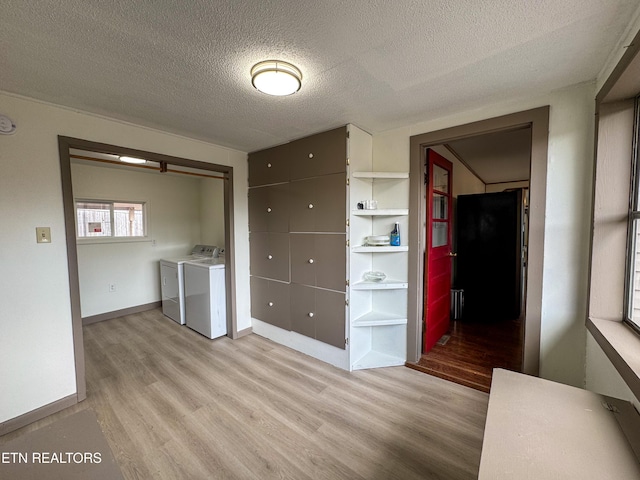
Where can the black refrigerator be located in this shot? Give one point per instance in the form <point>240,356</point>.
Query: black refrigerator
<point>489,243</point>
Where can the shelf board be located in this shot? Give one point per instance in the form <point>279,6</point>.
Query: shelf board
<point>388,212</point>
<point>375,319</point>
<point>385,284</point>
<point>381,249</point>
<point>374,359</point>
<point>380,174</point>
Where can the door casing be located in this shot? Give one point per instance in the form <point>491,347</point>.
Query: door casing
<point>538,120</point>
<point>64,146</point>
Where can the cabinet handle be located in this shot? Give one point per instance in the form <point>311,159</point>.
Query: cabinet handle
<point>310,260</point>
<point>311,205</point>
<point>310,314</point>
<point>269,257</point>
<point>311,155</point>
<point>271,304</point>
<point>268,165</point>
<point>268,209</point>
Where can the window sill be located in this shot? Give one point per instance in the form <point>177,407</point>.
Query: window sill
<point>622,347</point>
<point>102,240</point>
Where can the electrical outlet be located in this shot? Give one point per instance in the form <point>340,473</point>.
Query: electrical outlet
<point>112,287</point>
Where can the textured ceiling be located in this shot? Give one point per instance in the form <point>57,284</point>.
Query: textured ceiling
<point>183,66</point>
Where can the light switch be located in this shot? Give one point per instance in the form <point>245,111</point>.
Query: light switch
<point>43,234</point>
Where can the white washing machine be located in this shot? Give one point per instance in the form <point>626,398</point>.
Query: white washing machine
<point>205,297</point>
<point>172,280</point>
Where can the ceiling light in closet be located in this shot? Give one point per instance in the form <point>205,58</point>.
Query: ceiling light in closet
<point>132,160</point>
<point>275,77</point>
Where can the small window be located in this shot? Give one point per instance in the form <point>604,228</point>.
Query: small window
<point>110,219</point>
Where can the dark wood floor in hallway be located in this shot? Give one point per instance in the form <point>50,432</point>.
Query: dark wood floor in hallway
<point>473,350</point>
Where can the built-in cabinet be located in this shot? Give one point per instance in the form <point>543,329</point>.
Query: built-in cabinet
<point>308,256</point>
<point>298,224</point>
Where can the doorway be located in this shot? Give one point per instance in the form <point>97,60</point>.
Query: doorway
<point>486,289</point>
<point>537,121</point>
<point>163,163</point>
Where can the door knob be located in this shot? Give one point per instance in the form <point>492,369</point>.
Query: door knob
<point>311,205</point>
<point>269,257</point>
<point>271,304</point>
<point>310,314</point>
<point>268,165</point>
<point>268,209</point>
<point>451,254</point>
<point>310,260</point>
<point>311,155</point>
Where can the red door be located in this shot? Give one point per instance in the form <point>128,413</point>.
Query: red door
<point>437,262</point>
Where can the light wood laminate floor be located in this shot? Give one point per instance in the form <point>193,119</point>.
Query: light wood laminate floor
<point>176,405</point>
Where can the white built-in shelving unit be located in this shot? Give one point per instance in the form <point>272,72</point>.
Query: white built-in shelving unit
<point>377,310</point>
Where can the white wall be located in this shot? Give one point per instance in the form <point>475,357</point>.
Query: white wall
<point>568,211</point>
<point>212,212</point>
<point>602,377</point>
<point>36,348</point>
<point>173,227</point>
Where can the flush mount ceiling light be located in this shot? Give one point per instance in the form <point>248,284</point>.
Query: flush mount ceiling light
<point>274,77</point>
<point>132,160</point>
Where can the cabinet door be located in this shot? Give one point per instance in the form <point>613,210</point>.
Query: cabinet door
<point>270,255</point>
<point>318,314</point>
<point>321,154</point>
<point>319,260</point>
<point>270,302</point>
<point>269,166</point>
<point>169,286</point>
<point>330,318</point>
<point>269,208</point>
<point>303,306</point>
<point>318,204</point>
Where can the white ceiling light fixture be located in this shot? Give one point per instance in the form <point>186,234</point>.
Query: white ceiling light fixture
<point>275,77</point>
<point>135,160</point>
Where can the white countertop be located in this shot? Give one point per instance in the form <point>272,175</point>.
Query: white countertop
<point>537,429</point>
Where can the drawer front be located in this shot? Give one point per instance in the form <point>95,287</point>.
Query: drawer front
<point>270,302</point>
<point>318,314</point>
<point>321,154</point>
<point>318,204</point>
<point>269,166</point>
<point>330,318</point>
<point>269,208</point>
<point>270,255</point>
<point>319,260</point>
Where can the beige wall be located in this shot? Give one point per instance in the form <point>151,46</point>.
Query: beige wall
<point>464,181</point>
<point>212,212</point>
<point>36,345</point>
<point>500,187</point>
<point>173,227</point>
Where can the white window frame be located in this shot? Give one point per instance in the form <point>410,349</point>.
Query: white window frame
<point>633,226</point>
<point>113,238</point>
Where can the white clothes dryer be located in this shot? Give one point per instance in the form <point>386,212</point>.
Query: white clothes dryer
<point>205,297</point>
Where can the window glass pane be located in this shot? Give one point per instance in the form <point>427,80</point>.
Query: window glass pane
<point>128,220</point>
<point>634,293</point>
<point>439,236</point>
<point>93,219</point>
<point>110,219</point>
<point>440,206</point>
<point>440,179</point>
